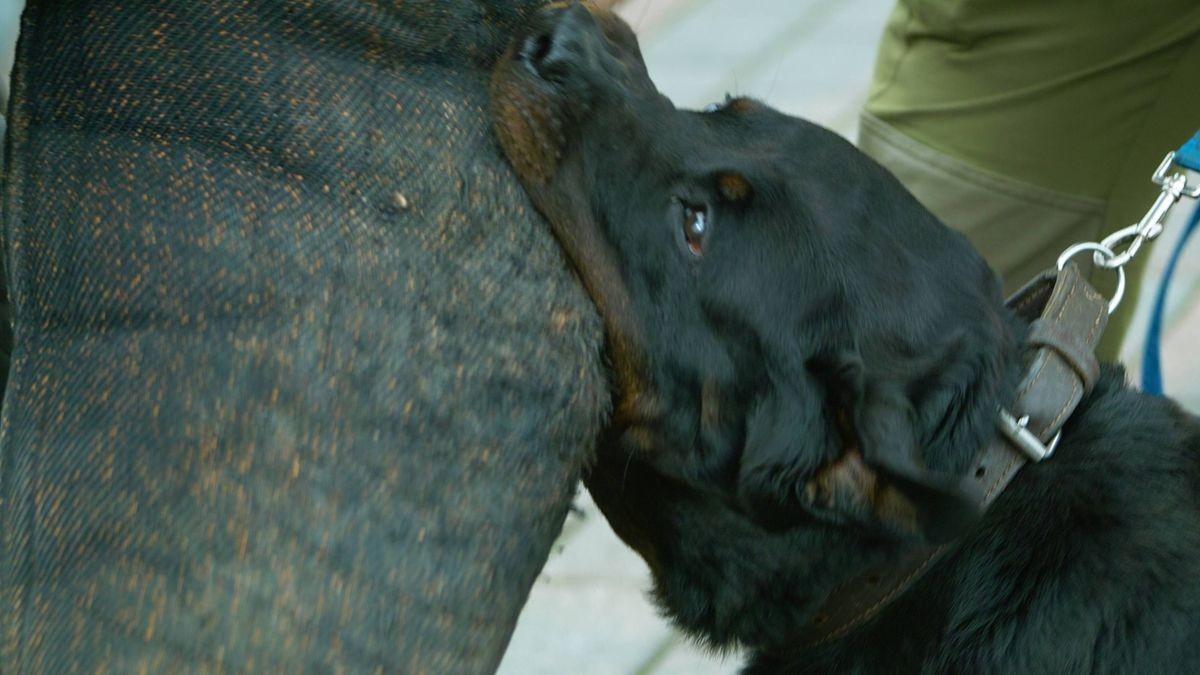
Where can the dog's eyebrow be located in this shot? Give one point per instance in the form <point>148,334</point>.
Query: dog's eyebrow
<point>742,104</point>
<point>733,186</point>
<point>734,104</point>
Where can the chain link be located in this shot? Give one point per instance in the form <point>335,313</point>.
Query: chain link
<point>1117,249</point>
<point>1148,228</point>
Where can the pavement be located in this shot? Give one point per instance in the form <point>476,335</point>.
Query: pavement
<point>588,613</point>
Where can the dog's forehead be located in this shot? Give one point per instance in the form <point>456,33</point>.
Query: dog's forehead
<point>763,140</point>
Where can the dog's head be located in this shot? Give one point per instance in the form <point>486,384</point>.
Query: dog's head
<point>796,343</point>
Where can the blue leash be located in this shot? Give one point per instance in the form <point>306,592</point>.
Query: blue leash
<point>1188,157</point>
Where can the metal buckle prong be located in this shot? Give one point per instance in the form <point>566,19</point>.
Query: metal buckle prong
<point>1017,431</point>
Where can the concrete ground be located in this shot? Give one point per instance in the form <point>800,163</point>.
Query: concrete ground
<point>588,613</point>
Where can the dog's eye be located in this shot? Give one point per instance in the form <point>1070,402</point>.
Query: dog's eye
<point>695,224</point>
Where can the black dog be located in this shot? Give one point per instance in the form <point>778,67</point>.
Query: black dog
<point>807,363</point>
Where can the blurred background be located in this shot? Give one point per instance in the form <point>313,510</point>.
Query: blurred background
<point>10,22</point>
<point>588,613</point>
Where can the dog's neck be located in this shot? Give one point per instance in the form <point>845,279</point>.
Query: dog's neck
<point>1061,318</point>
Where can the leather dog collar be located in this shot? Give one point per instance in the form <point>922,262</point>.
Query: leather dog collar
<point>1067,317</point>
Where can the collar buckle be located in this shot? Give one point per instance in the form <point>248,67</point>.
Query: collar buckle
<point>1018,433</point>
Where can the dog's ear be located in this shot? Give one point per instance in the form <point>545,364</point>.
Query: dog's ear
<point>790,435</point>
<point>885,472</point>
<point>853,446</point>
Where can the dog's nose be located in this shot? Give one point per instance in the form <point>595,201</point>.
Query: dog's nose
<point>559,41</point>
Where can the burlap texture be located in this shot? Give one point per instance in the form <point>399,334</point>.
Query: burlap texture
<point>301,382</point>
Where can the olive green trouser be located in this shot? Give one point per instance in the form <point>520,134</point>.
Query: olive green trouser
<point>1030,125</point>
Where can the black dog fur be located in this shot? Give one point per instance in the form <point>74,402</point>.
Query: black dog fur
<point>820,312</point>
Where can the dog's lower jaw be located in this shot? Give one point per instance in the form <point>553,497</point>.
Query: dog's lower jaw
<point>722,578</point>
